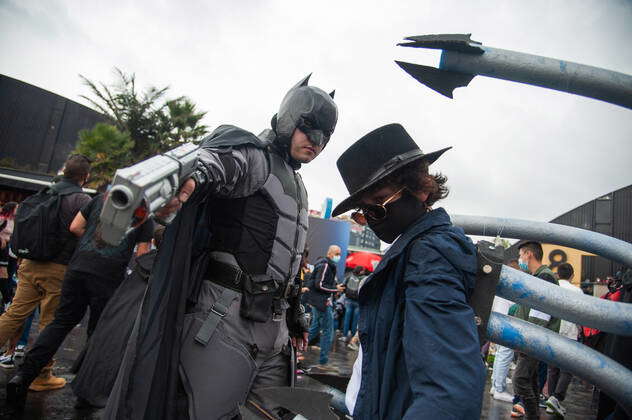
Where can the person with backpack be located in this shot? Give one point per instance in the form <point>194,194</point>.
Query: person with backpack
<point>420,347</point>
<point>44,243</point>
<point>93,275</point>
<point>352,310</point>
<point>322,287</point>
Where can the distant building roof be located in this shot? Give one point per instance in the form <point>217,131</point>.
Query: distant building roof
<point>610,214</point>
<point>38,129</point>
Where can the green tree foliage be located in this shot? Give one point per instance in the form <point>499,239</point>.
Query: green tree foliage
<point>154,123</point>
<point>181,123</point>
<point>108,148</point>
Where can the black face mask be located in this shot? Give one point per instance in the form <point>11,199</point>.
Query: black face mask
<point>399,215</point>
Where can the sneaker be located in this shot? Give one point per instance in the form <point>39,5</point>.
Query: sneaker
<point>554,405</point>
<point>517,410</point>
<point>47,383</point>
<point>542,401</point>
<point>19,349</point>
<point>18,356</point>
<point>503,396</point>
<point>549,411</point>
<point>7,362</point>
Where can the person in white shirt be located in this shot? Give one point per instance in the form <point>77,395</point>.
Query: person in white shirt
<point>559,380</point>
<point>504,355</point>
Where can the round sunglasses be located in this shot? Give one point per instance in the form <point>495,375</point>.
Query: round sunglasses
<point>375,212</point>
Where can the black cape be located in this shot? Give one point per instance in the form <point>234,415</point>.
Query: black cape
<point>147,382</point>
<point>105,350</point>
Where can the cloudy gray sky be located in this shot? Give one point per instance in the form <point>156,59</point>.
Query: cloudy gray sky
<point>519,151</point>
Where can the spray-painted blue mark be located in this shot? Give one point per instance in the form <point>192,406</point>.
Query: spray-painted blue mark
<point>603,363</point>
<point>563,66</point>
<point>442,61</point>
<point>520,290</point>
<point>512,335</point>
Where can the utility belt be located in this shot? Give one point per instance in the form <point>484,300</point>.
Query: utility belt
<point>261,298</point>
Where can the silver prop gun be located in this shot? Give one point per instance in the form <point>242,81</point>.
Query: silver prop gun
<point>140,190</point>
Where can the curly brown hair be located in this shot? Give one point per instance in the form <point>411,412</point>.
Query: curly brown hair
<point>415,177</point>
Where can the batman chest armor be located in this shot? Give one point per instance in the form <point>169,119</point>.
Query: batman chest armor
<point>266,231</point>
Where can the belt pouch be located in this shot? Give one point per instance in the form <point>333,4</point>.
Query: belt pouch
<point>257,299</point>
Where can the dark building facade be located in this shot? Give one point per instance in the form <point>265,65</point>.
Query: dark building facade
<point>362,238</point>
<point>325,232</point>
<point>610,214</point>
<point>38,130</point>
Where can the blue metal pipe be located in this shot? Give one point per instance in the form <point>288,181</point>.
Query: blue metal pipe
<point>614,317</point>
<point>592,82</point>
<point>552,233</point>
<point>569,355</point>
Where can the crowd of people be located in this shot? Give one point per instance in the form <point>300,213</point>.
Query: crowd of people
<point>535,384</point>
<point>196,320</point>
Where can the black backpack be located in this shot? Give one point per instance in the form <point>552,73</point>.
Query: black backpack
<point>38,233</point>
<point>353,287</point>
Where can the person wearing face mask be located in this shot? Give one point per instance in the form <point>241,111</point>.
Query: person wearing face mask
<point>525,379</point>
<point>323,285</point>
<point>418,337</point>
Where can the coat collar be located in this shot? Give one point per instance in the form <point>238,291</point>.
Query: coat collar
<point>428,221</point>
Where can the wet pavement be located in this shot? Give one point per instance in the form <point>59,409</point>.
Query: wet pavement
<point>59,404</point>
<point>577,403</point>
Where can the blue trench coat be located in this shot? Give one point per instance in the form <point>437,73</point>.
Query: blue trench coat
<point>421,356</point>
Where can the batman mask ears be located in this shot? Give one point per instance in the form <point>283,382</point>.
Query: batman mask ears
<point>273,122</point>
<point>332,93</point>
<point>303,82</point>
<point>308,108</point>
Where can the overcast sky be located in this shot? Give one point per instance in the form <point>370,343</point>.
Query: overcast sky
<point>519,151</point>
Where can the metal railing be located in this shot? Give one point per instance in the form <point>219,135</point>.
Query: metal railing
<point>568,355</point>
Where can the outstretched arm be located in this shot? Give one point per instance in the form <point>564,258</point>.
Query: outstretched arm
<point>223,172</point>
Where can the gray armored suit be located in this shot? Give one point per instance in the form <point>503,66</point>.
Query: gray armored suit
<point>222,299</point>
<point>235,340</point>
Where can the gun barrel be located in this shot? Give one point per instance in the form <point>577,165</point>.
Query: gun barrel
<point>152,182</point>
<point>121,197</point>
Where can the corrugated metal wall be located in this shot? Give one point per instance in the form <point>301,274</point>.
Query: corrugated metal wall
<point>38,129</point>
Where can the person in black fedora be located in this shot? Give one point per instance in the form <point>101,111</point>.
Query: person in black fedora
<point>419,344</point>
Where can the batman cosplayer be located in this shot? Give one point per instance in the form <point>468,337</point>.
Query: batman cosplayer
<point>223,302</point>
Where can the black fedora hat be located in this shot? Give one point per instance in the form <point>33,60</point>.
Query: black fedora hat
<point>376,155</point>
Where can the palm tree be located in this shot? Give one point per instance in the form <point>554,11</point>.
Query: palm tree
<point>152,122</point>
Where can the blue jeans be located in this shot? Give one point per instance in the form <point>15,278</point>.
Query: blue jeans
<point>323,322</point>
<point>352,311</point>
<point>502,361</point>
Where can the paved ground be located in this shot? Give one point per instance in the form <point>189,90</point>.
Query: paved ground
<point>578,401</point>
<point>59,404</point>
